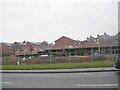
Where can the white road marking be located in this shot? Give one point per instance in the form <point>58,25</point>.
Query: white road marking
<point>98,85</point>
<point>6,82</point>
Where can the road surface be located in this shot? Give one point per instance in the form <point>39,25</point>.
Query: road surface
<point>61,80</point>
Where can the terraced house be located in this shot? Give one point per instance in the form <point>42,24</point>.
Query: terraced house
<point>26,48</point>
<point>64,46</point>
<point>102,44</point>
<point>6,48</point>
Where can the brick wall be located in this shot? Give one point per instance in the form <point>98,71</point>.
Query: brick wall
<point>65,42</point>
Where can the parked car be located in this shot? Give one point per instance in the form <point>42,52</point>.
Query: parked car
<point>117,62</point>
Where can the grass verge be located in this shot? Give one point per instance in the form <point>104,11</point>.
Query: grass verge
<point>59,66</point>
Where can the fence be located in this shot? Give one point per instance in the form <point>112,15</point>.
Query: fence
<point>52,59</point>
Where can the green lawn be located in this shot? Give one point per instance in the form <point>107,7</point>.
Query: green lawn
<point>59,66</point>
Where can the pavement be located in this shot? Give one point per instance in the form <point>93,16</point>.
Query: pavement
<point>103,69</point>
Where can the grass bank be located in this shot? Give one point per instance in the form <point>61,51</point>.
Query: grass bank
<point>59,66</point>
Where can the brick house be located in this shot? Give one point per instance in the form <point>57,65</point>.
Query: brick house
<point>21,48</point>
<point>33,47</point>
<point>102,44</point>
<point>108,40</point>
<point>6,49</point>
<point>65,42</point>
<point>100,40</point>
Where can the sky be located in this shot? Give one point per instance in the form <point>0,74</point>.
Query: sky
<point>48,20</point>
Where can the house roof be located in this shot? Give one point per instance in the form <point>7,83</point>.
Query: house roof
<point>105,36</point>
<point>21,43</point>
<point>65,37</point>
<point>7,44</point>
<point>117,35</point>
<point>32,43</point>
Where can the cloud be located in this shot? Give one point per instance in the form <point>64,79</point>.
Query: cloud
<point>50,19</point>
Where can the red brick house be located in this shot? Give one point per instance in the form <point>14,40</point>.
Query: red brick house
<point>33,47</point>
<point>6,49</point>
<point>21,48</point>
<point>65,42</point>
<point>100,40</point>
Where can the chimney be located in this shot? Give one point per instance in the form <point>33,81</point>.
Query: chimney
<point>90,36</point>
<point>24,41</point>
<point>105,33</point>
<point>87,38</point>
<point>98,35</point>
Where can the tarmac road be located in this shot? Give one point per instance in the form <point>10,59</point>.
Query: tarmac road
<point>61,80</point>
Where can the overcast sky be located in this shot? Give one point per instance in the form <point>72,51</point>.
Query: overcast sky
<point>39,20</point>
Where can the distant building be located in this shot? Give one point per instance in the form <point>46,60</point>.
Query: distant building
<point>65,42</point>
<point>102,44</point>
<point>101,40</point>
<point>6,49</point>
<point>21,48</point>
<point>33,47</point>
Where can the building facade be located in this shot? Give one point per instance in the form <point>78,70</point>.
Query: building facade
<point>102,44</point>
<point>65,42</point>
